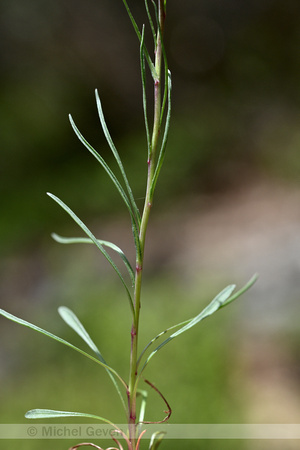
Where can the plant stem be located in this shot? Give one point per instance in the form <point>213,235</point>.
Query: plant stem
<point>132,390</point>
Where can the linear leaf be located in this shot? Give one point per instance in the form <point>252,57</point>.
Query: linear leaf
<point>136,29</point>
<point>101,161</point>
<point>114,180</point>
<point>72,320</point>
<point>143,74</point>
<point>117,156</point>
<point>95,241</point>
<point>167,330</point>
<point>151,24</point>
<point>62,341</point>
<point>164,142</point>
<point>165,62</point>
<point>63,240</point>
<point>51,414</point>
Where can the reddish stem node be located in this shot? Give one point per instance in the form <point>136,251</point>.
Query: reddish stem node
<point>138,268</point>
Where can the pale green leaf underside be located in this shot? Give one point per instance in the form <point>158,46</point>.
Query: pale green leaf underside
<point>72,320</point>
<point>62,341</point>
<point>63,240</point>
<point>51,414</point>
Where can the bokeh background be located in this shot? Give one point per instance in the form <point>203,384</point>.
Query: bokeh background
<point>227,206</point>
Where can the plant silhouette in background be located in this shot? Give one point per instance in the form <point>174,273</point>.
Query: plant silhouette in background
<point>157,135</point>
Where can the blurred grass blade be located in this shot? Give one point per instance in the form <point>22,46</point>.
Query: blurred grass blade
<point>143,75</point>
<point>51,414</point>
<point>95,241</point>
<point>156,439</point>
<point>62,341</point>
<point>117,157</point>
<point>164,142</point>
<point>144,395</point>
<point>63,240</point>
<point>136,29</point>
<point>72,320</point>
<point>114,180</point>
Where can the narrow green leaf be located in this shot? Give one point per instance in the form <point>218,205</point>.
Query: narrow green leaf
<point>215,304</point>
<point>136,29</point>
<point>95,241</point>
<point>164,141</point>
<point>241,291</point>
<point>143,74</point>
<point>165,61</point>
<point>62,341</point>
<point>63,240</point>
<point>117,157</point>
<point>221,300</point>
<point>166,86</point>
<point>51,414</point>
<point>72,320</point>
<point>114,180</point>
<point>151,24</point>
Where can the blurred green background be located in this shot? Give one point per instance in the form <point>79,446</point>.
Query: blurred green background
<point>227,205</point>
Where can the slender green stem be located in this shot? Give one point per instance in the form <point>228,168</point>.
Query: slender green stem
<point>132,389</point>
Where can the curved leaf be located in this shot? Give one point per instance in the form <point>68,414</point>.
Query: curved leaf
<point>63,240</point>
<point>62,341</point>
<point>156,439</point>
<point>72,320</point>
<point>95,241</point>
<point>190,322</point>
<point>114,180</point>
